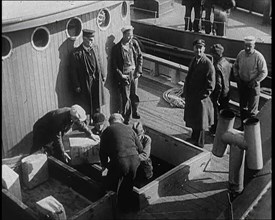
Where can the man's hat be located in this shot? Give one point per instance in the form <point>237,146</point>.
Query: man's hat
<point>78,112</point>
<point>116,117</point>
<point>249,40</point>
<point>98,118</point>
<point>88,33</point>
<point>126,28</point>
<point>199,42</point>
<point>138,128</point>
<point>217,49</point>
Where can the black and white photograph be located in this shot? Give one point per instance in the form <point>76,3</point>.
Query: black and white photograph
<point>136,109</point>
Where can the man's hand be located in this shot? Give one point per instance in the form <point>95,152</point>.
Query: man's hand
<point>252,84</point>
<point>66,157</point>
<point>94,137</point>
<point>104,171</point>
<point>77,89</point>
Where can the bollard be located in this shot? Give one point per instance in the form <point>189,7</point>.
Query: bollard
<point>225,123</point>
<point>236,169</point>
<point>252,136</point>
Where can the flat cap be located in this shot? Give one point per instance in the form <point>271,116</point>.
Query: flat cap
<point>88,33</point>
<point>98,118</point>
<point>78,112</point>
<point>126,28</point>
<point>116,117</point>
<point>217,49</point>
<point>249,40</point>
<point>199,42</point>
<point>138,128</point>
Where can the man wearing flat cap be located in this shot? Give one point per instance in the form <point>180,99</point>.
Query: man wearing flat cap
<point>220,96</point>
<point>199,84</point>
<point>121,145</point>
<point>145,169</point>
<point>86,74</point>
<point>49,130</point>
<point>127,66</point>
<point>249,70</point>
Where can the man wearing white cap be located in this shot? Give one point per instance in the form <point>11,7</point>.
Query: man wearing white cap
<point>249,70</point>
<point>49,130</point>
<point>127,66</point>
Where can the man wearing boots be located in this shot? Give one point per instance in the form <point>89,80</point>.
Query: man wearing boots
<point>127,66</point>
<point>189,5</point>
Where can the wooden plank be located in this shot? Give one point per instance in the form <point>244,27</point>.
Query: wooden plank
<point>159,187</point>
<point>12,208</point>
<point>250,194</point>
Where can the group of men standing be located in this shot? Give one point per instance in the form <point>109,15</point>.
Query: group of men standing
<point>87,75</point>
<point>220,9</point>
<point>207,86</point>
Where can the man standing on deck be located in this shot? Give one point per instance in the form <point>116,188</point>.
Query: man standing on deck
<point>127,66</point>
<point>220,96</point>
<point>189,5</point>
<point>121,145</point>
<point>250,69</point>
<point>86,75</point>
<point>199,84</point>
<point>221,10</point>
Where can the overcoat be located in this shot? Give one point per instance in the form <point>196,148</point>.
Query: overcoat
<point>91,86</point>
<point>199,84</point>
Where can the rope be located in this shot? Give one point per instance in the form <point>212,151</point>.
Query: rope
<point>173,97</point>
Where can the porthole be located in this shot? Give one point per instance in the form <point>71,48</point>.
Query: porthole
<point>6,47</point>
<point>124,9</point>
<point>74,28</point>
<point>40,38</point>
<point>103,19</point>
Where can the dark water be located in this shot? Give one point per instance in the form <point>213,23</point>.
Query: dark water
<point>159,168</point>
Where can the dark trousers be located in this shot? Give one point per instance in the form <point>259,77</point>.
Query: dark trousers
<point>199,137</point>
<point>208,23</point>
<point>130,99</point>
<point>218,105</point>
<point>249,100</point>
<point>187,18</point>
<point>120,179</point>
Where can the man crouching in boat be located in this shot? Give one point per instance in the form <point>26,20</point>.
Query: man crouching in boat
<point>49,130</point>
<point>199,84</point>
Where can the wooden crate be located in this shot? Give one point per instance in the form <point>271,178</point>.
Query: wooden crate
<point>82,197</point>
<point>184,161</point>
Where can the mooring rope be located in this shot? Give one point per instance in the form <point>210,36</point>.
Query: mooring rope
<point>173,97</point>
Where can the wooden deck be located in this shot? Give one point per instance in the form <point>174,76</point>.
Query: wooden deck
<point>203,197</point>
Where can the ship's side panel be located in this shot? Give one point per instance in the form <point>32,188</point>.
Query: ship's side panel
<point>37,81</point>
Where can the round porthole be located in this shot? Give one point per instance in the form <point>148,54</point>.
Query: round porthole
<point>6,47</point>
<point>74,28</point>
<point>40,38</point>
<point>124,10</point>
<point>103,19</point>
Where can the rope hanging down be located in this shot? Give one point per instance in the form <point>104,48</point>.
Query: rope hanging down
<point>173,97</point>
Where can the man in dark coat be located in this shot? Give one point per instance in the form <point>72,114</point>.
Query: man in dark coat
<point>127,66</point>
<point>49,130</point>
<point>121,145</point>
<point>199,84</point>
<point>87,75</point>
<point>220,96</point>
<point>189,5</point>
